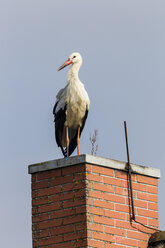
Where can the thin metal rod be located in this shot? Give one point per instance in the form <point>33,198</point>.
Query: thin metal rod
<point>130,183</point>
<point>129,172</point>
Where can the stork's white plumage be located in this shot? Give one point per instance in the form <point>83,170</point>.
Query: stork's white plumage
<point>71,108</point>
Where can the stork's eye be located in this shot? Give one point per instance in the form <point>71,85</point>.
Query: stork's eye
<point>74,56</point>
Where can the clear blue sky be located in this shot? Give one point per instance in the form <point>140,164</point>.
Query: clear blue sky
<point>123,48</point>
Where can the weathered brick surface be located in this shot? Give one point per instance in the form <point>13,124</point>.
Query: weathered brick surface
<point>59,208</point>
<point>88,206</point>
<point>114,211</point>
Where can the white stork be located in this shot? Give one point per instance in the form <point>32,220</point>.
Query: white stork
<point>71,108</point>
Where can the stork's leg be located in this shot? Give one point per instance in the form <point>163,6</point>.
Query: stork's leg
<point>78,140</point>
<point>67,141</point>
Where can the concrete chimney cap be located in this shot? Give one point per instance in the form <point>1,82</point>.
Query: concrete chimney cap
<point>90,159</point>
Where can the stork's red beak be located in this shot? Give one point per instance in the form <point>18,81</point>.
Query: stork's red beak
<point>68,62</point>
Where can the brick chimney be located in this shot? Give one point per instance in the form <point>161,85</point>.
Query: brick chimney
<point>83,201</point>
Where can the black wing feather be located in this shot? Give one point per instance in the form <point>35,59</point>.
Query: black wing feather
<point>59,119</point>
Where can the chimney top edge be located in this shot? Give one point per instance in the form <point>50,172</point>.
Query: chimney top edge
<point>95,160</point>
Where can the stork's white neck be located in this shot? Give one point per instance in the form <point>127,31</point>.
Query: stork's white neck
<point>73,73</point>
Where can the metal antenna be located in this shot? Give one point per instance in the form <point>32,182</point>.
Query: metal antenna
<point>129,172</point>
<point>130,183</point>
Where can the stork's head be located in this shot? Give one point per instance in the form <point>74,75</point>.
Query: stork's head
<point>74,58</point>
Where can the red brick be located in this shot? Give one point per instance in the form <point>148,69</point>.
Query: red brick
<point>148,213</point>
<point>147,197</point>
<point>121,191</point>
<point>62,196</point>
<point>128,199</point>
<point>102,236</point>
<point>95,194</point>
<point>115,181</point>
<point>40,185</point>
<point>139,186</point>
<point>88,167</point>
<point>81,226</point>
<point>35,244</point>
<point>122,175</point>
<point>50,223</point>
<point>90,234</point>
<point>81,209</point>
<point>62,213</point>
<point>74,219</point>
<point>95,227</point>
<point>34,227</point>
<point>49,191</point>
<point>114,198</point>
<point>153,222</point>
<point>76,235</point>
<point>115,231</point>
<point>33,178</point>
<point>103,220</point>
<point>141,219</point>
<point>95,210</point>
<point>153,206</point>
<point>153,189</point>
<point>34,194</point>
<point>122,208</point>
<point>147,180</point>
<point>79,193</point>
<point>50,240</point>
<point>61,180</point>
<point>140,203</point>
<point>74,202</point>
<point>40,217</point>
<point>94,177</point>
<point>126,241</point>
<point>130,209</point>
<point>48,174</point>
<point>142,244</point>
<point>89,185</point>
<point>34,210</point>
<point>41,234</point>
<point>107,245</point>
<point>82,242</point>
<point>91,200</point>
<point>95,243</point>
<point>103,204</point>
<point>40,201</point>
<point>125,224</point>
<point>69,170</point>
<point>50,207</point>
<point>137,235</point>
<point>103,170</point>
<point>63,245</point>
<point>62,229</point>
<point>80,176</point>
<point>145,229</point>
<point>104,188</point>
<point>73,186</point>
<point>114,214</point>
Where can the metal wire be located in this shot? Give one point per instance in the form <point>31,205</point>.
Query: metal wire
<point>129,173</point>
<point>130,183</point>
